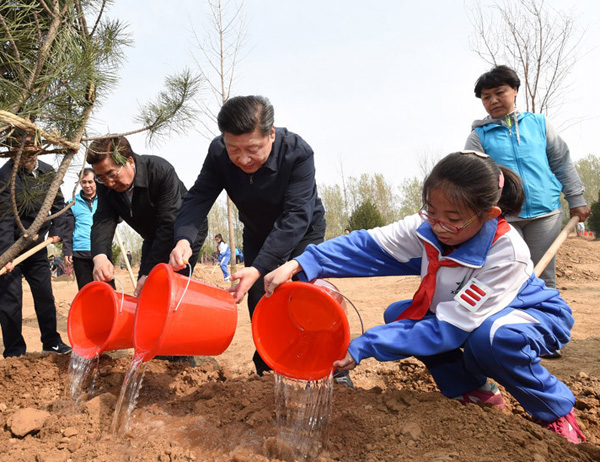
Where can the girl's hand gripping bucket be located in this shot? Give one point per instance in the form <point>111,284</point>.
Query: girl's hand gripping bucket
<point>178,316</point>
<point>100,319</point>
<point>301,329</point>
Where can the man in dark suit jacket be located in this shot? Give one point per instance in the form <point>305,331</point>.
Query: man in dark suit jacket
<point>145,192</point>
<point>31,185</point>
<point>269,175</point>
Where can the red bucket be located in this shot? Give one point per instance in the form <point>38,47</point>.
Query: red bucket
<point>100,319</point>
<point>301,329</point>
<point>179,316</point>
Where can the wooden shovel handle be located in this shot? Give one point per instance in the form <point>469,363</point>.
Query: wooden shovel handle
<point>124,257</point>
<point>29,253</point>
<point>555,246</point>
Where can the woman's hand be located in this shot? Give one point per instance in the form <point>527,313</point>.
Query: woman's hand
<point>280,275</point>
<point>247,277</point>
<point>582,212</point>
<point>345,364</point>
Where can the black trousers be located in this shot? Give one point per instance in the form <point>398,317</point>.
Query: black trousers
<point>257,291</point>
<point>84,270</point>
<point>36,271</point>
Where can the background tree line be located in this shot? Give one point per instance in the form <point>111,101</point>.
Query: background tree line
<point>370,200</point>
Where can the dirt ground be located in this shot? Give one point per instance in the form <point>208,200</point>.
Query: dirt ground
<point>220,411</point>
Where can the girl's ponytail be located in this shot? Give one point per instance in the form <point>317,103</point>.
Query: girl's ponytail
<point>512,196</point>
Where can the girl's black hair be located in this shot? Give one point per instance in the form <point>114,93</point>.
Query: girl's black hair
<point>472,181</point>
<point>220,237</point>
<point>498,76</point>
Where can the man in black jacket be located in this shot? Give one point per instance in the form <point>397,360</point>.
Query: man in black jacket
<point>31,185</point>
<point>269,174</point>
<point>144,191</point>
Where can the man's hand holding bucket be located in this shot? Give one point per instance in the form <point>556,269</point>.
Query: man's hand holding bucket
<point>138,287</point>
<point>246,277</point>
<point>103,268</point>
<point>180,255</point>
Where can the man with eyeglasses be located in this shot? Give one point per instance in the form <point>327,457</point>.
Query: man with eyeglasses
<point>33,177</point>
<point>145,192</point>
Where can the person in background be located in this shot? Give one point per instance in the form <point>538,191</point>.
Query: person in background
<point>528,144</point>
<point>346,231</point>
<point>224,255</point>
<point>77,246</point>
<point>56,266</point>
<point>52,265</point>
<point>269,175</point>
<point>239,256</point>
<point>479,312</point>
<point>130,258</point>
<point>33,178</point>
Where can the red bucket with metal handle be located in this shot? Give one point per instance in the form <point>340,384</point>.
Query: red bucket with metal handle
<point>301,329</point>
<point>179,316</point>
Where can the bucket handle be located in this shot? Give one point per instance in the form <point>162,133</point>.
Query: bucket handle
<point>362,327</point>
<point>122,294</point>
<point>186,288</point>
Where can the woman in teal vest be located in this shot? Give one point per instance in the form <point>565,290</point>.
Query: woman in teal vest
<point>529,145</point>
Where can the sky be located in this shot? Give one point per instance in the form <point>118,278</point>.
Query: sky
<point>372,86</point>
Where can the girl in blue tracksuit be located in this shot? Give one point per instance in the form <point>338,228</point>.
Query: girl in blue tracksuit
<point>224,255</point>
<point>479,312</point>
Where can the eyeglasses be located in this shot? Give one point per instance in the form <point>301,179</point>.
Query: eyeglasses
<point>112,176</point>
<point>445,226</point>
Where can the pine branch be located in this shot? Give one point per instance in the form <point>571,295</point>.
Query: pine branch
<point>29,127</point>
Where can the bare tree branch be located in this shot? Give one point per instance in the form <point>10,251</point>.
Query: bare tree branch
<point>220,52</point>
<point>540,43</point>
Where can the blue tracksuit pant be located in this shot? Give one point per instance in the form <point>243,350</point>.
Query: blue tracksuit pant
<point>506,348</point>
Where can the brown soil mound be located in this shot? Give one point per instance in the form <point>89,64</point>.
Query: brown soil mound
<point>221,411</point>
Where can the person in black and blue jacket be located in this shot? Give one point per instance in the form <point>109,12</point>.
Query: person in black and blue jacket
<point>480,311</point>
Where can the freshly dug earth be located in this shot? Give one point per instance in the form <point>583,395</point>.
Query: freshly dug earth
<point>221,411</point>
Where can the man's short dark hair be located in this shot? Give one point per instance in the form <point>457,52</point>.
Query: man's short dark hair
<point>117,147</point>
<point>87,171</point>
<point>244,114</point>
<point>498,76</point>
